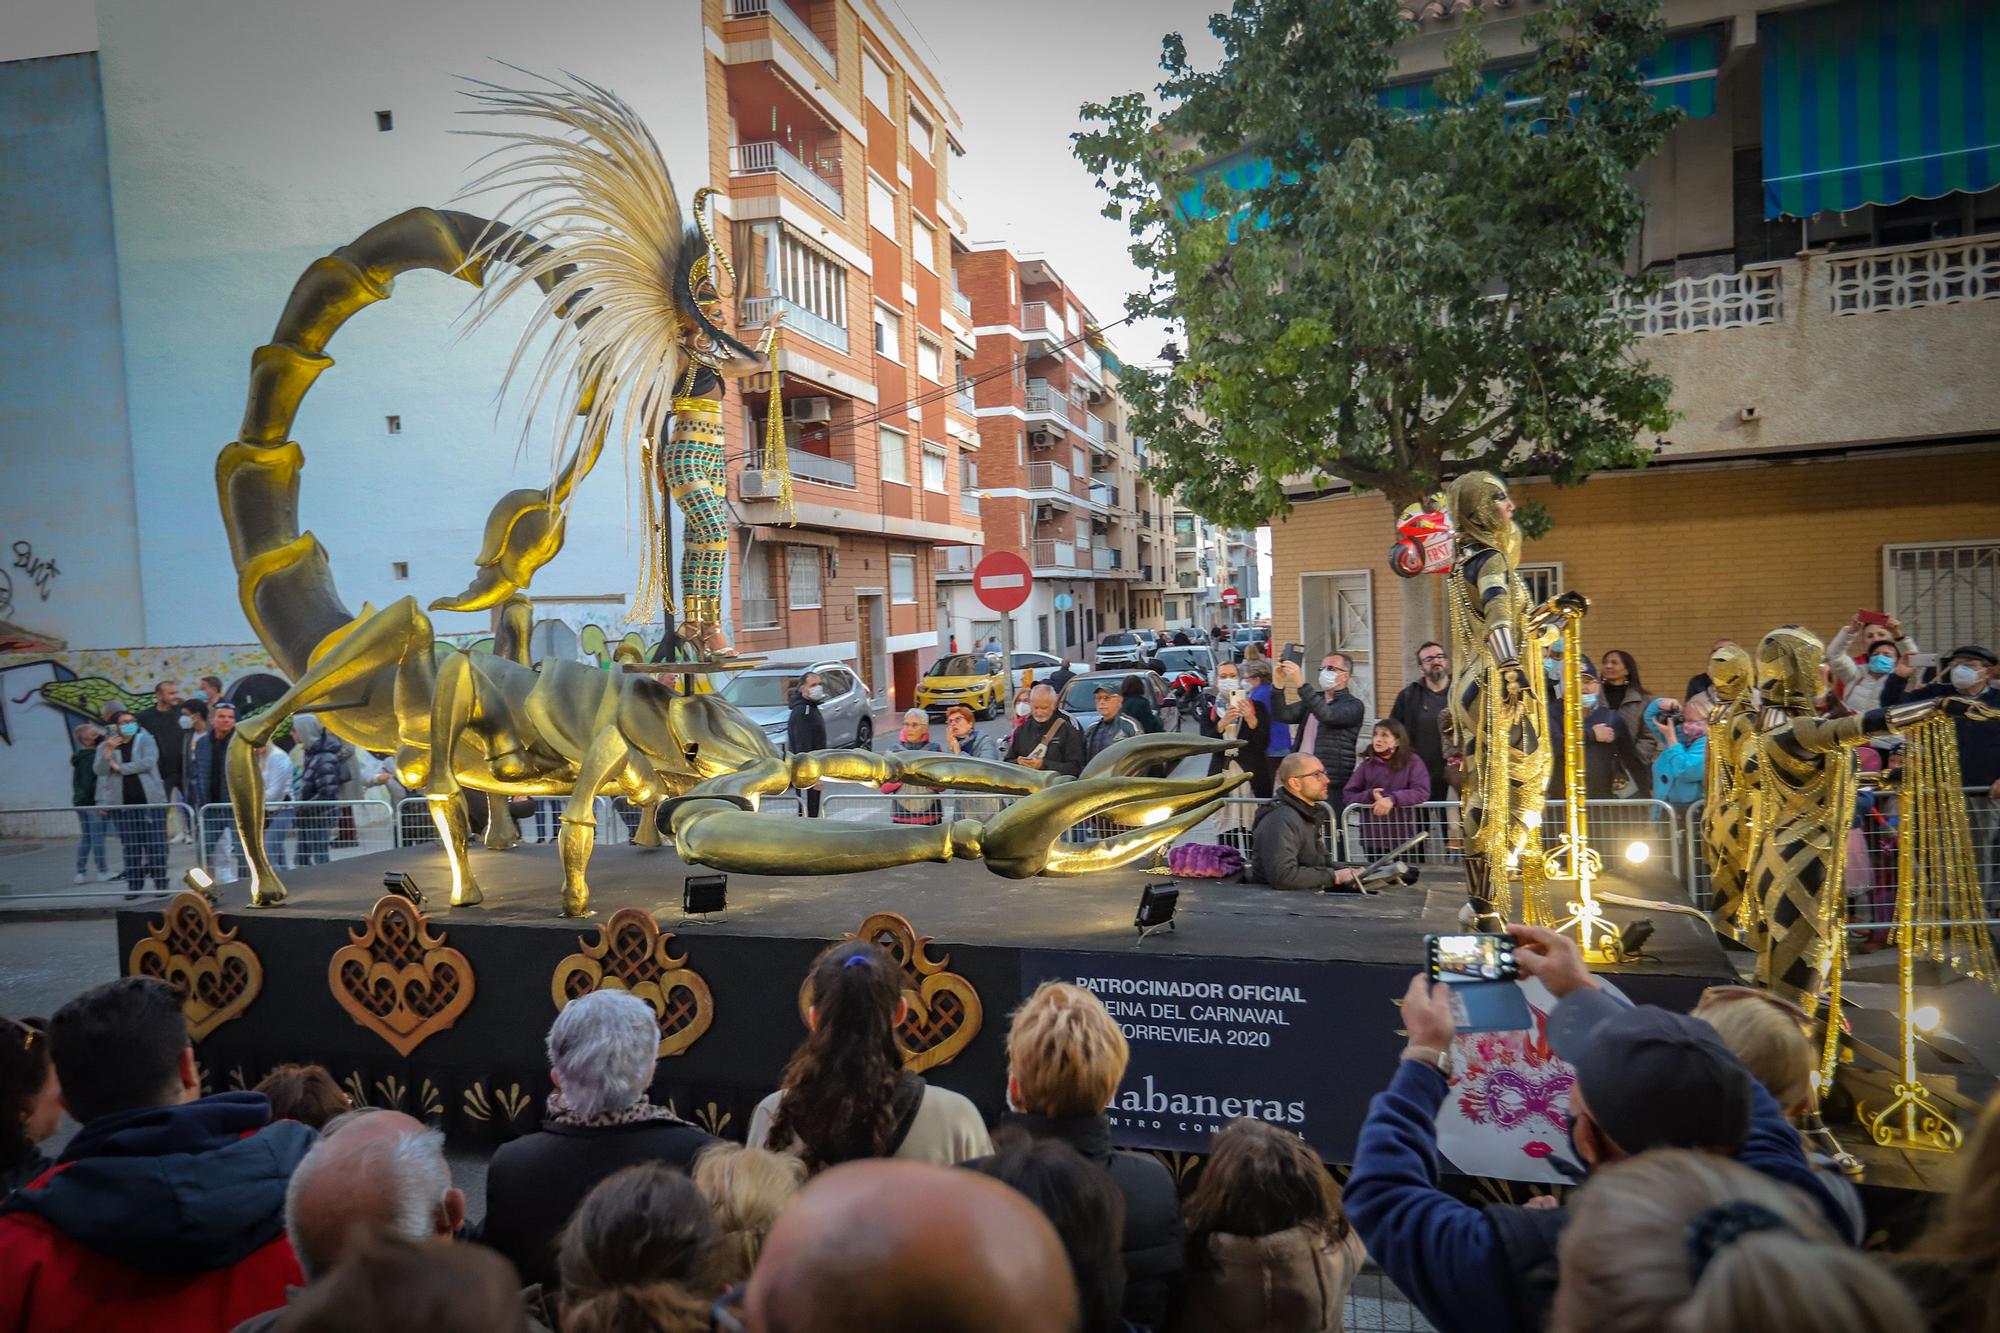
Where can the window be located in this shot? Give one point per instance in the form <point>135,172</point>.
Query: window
<point>923,242</point>
<point>1013,292</point>
<point>881,207</point>
<point>968,474</point>
<point>809,280</point>
<point>875,83</point>
<point>836,681</point>
<point>1544,580</point>
<point>802,570</point>
<point>902,579</point>
<point>934,468</point>
<point>920,136</point>
<point>888,333</point>
<point>930,360</point>
<point>1075,320</point>
<point>895,456</point>
<point>1945,594</point>
<point>759,609</point>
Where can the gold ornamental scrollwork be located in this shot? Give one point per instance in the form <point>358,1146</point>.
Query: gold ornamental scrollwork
<point>187,946</point>
<point>398,979</point>
<point>631,953</point>
<point>945,1011</point>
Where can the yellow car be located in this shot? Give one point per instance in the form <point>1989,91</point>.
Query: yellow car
<point>973,679</point>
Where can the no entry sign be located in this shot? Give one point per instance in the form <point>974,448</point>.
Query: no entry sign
<point>1002,581</point>
<point>1231,597</point>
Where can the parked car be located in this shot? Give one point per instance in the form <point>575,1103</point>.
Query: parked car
<point>1079,699</point>
<point>1125,648</point>
<point>764,694</point>
<point>1244,635</point>
<point>1153,640</point>
<point>1189,662</point>
<point>1031,667</point>
<point>973,679</point>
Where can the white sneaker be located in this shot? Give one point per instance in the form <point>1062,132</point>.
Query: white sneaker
<point>226,877</point>
<point>79,878</point>
<point>105,877</point>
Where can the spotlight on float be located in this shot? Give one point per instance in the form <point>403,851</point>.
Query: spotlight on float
<point>1925,1019</point>
<point>403,885</point>
<point>202,883</point>
<point>1156,908</point>
<point>703,894</point>
<point>1637,853</point>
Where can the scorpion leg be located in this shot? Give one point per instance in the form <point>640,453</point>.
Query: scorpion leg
<point>610,758</point>
<point>454,705</point>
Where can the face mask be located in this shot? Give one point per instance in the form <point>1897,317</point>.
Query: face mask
<point>1328,678</point>
<point>1588,700</point>
<point>201,695</point>
<point>128,728</point>
<point>1552,668</point>
<point>187,722</point>
<point>1965,675</point>
<point>1881,666</point>
<point>1020,710</point>
<point>814,692</point>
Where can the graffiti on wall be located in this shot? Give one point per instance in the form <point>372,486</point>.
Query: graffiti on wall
<point>40,570</point>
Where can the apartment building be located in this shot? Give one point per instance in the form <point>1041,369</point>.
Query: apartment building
<point>1057,472</point>
<point>1828,228</point>
<point>834,142</point>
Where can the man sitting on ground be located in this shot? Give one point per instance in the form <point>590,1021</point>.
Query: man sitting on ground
<point>1645,1078</point>
<point>910,1247</point>
<point>166,1211</point>
<point>1286,851</point>
<point>372,1172</point>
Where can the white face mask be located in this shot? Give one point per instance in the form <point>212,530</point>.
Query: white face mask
<point>1965,675</point>
<point>187,722</point>
<point>1021,709</point>
<point>1328,678</point>
<point>813,692</point>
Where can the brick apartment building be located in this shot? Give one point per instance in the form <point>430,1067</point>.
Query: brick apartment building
<point>1057,472</point>
<point>1830,334</point>
<point>834,143</point>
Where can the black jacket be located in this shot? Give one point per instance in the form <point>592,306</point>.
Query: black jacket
<point>1155,1245</point>
<point>1065,752</point>
<point>1341,717</point>
<point>1602,761</point>
<point>1285,848</point>
<point>165,729</point>
<point>1422,710</point>
<point>535,1182</point>
<point>1978,742</point>
<point>805,729</point>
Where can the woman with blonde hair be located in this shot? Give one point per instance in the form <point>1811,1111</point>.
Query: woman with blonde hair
<point>1674,1240</point>
<point>748,1188</point>
<point>1954,1268</point>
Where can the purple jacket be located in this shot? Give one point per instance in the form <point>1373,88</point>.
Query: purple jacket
<point>1407,786</point>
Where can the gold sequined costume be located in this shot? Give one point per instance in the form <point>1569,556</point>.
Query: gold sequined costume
<point>1726,814</point>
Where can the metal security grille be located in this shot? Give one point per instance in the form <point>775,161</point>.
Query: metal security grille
<point>1945,593</point>
<point>1544,581</point>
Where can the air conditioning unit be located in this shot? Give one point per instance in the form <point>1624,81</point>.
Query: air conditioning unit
<point>812,409</point>
<point>1045,513</point>
<point>752,484</point>
<point>1040,439</point>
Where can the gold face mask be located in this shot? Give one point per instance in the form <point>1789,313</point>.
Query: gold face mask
<point>1729,670</point>
<point>1474,503</point>
<point>1789,663</point>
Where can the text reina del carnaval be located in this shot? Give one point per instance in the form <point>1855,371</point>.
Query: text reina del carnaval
<point>1169,1003</point>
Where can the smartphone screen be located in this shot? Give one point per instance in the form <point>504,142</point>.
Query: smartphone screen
<point>1459,959</point>
<point>1295,653</point>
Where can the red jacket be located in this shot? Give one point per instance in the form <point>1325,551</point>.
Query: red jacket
<point>164,1219</point>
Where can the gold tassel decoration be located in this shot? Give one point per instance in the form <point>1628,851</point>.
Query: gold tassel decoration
<point>777,450</point>
<point>653,599</point>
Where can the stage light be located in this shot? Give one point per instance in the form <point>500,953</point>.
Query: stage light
<point>1156,908</point>
<point>1632,939</point>
<point>702,894</point>
<point>201,882</point>
<point>1926,1018</point>
<point>1637,853</point>
<point>403,886</point>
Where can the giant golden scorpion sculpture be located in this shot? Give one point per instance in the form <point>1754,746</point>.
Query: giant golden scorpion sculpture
<point>491,722</point>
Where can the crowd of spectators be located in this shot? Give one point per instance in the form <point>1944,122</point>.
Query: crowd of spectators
<point>867,1198</point>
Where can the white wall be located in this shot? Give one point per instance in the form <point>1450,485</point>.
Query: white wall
<point>37,29</point>
<point>243,145</point>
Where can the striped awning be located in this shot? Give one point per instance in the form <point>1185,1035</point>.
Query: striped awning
<point>1878,101</point>
<point>1681,73</point>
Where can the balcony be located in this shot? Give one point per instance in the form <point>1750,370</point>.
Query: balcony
<point>790,20</point>
<point>1146,573</point>
<point>757,314</point>
<point>1054,555</point>
<point>968,503</point>
<point>1093,363</point>
<point>811,467</point>
<point>768,157</point>
<point>1045,400</point>
<point>1719,301</point>
<point>1105,560</point>
<point>956,559</point>
<point>759,613</point>
<point>1187,579</point>
<point>1049,477</point>
<point>961,302</point>
<point>1093,427</point>
<point>1041,328</point>
<point>964,399</point>
<point>1104,495</point>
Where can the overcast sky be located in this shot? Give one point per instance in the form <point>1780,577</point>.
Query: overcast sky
<point>1017,71</point>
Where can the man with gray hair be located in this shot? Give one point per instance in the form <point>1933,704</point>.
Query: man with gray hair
<point>602,1049</point>
<point>1046,740</point>
<point>372,1171</point>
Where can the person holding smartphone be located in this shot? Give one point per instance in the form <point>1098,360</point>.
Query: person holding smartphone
<point>1865,654</point>
<point>1045,739</point>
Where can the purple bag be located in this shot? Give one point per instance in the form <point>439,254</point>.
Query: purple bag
<point>1200,860</point>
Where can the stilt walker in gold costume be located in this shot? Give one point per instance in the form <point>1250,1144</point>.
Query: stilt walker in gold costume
<point>1726,814</point>
<point>1499,712</point>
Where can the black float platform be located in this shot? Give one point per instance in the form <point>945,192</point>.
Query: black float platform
<point>1259,1002</point>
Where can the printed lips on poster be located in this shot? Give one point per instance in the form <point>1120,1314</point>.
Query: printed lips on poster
<point>1211,1040</point>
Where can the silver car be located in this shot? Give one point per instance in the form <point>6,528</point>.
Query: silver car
<point>1079,697</point>
<point>764,694</point>
<point>1125,648</point>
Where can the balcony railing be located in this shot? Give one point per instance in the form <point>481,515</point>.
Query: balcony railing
<point>1145,573</point>
<point>1040,320</point>
<point>1107,559</point>
<point>806,466</point>
<point>757,313</point>
<point>1048,477</point>
<point>961,302</point>
<point>1187,579</point>
<point>1104,495</point>
<point>1093,426</point>
<point>788,19</point>
<point>1093,363</point>
<point>760,612</point>
<point>1719,301</point>
<point>1054,555</point>
<point>1046,398</point>
<point>966,402</point>
<point>1906,277</point>
<point>957,559</point>
<point>768,157</point>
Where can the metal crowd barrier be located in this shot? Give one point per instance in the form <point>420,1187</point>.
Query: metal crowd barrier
<point>296,833</point>
<point>1873,848</point>
<point>77,852</point>
<point>1619,828</point>
<point>617,819</point>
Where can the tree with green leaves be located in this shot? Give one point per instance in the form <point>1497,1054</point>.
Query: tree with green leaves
<point>1409,294</point>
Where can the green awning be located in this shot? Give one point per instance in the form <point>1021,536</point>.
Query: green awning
<point>1681,73</point>
<point>1878,101</point>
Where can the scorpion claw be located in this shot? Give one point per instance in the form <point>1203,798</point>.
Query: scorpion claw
<point>1023,840</point>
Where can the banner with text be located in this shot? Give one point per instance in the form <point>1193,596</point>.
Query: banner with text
<point>1217,1038</point>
